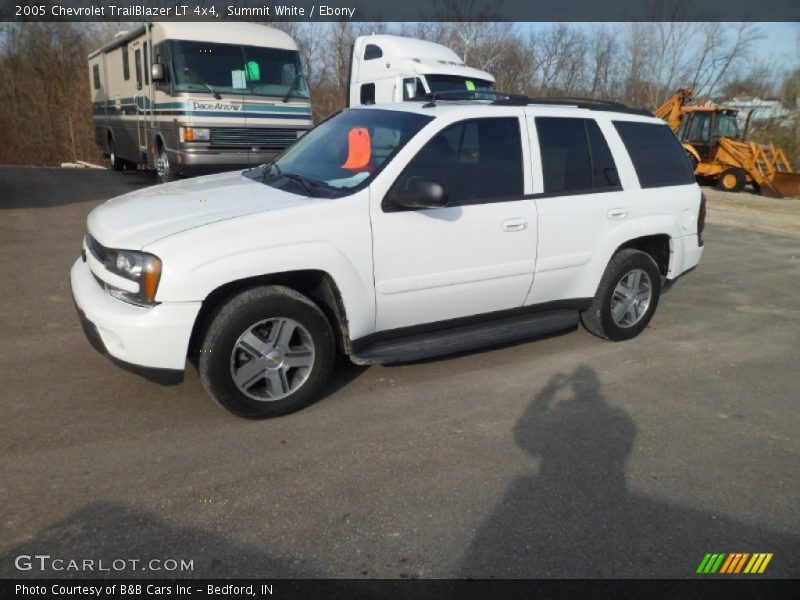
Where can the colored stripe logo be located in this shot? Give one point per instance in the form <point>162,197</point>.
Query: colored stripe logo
<point>734,563</point>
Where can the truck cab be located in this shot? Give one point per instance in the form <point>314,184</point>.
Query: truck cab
<point>392,68</point>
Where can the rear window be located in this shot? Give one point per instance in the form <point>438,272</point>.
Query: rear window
<point>657,155</point>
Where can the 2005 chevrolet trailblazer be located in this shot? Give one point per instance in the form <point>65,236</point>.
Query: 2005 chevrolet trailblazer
<point>394,233</point>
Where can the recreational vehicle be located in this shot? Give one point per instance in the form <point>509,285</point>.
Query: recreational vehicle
<point>391,68</point>
<point>186,98</point>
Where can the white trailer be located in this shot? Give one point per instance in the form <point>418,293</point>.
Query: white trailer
<point>392,68</point>
<point>187,98</point>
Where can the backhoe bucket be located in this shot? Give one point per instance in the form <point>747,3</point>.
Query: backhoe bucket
<point>782,185</point>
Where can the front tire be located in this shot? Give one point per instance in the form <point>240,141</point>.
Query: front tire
<point>732,180</point>
<point>164,171</point>
<point>269,351</point>
<point>626,298</point>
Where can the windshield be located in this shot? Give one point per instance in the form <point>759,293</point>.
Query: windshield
<point>343,153</point>
<point>726,126</point>
<point>451,83</point>
<point>235,69</point>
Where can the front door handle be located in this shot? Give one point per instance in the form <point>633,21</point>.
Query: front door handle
<point>617,213</point>
<point>514,225</point>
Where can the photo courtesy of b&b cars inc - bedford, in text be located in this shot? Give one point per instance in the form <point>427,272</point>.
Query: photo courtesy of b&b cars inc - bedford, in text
<point>381,299</point>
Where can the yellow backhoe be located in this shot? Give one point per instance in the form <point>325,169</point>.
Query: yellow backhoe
<point>710,135</point>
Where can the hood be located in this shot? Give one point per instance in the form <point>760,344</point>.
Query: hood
<point>134,220</point>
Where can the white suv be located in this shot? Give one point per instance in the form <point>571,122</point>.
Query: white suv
<point>394,233</point>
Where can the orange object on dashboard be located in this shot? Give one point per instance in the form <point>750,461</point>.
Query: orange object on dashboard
<point>359,149</point>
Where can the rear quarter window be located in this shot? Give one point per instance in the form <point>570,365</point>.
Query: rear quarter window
<point>657,155</point>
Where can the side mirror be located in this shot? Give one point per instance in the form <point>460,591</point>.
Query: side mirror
<point>420,192</point>
<point>410,90</point>
<point>157,73</point>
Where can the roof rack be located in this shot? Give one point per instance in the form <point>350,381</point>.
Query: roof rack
<point>508,99</point>
<point>469,95</point>
<point>590,104</point>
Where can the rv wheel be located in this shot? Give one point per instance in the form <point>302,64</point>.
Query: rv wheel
<point>163,168</point>
<point>117,164</point>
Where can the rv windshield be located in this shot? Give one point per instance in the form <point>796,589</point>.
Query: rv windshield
<point>235,69</point>
<point>343,153</point>
<point>454,83</point>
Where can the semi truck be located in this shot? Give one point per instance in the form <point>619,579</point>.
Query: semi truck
<point>392,68</point>
<point>189,98</point>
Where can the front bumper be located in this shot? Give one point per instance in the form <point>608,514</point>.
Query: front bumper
<point>155,338</point>
<point>199,161</point>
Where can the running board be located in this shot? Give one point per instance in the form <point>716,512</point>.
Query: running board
<point>467,337</point>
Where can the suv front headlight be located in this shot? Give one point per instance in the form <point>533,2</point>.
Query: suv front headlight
<point>141,267</point>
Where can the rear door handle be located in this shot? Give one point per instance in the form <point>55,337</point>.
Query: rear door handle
<point>617,213</point>
<point>514,225</point>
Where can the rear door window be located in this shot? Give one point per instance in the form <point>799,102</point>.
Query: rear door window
<point>604,170</point>
<point>566,165</point>
<point>657,155</point>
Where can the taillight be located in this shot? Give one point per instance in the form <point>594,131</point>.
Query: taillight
<point>701,219</point>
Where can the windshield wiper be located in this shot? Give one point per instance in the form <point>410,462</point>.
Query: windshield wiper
<point>202,82</point>
<point>291,87</point>
<point>304,182</point>
<point>268,166</point>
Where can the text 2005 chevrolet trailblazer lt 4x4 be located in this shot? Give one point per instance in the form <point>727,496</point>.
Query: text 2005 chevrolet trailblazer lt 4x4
<point>394,233</point>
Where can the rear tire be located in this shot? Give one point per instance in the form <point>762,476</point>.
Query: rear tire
<point>732,180</point>
<point>626,298</point>
<point>117,164</point>
<point>268,351</point>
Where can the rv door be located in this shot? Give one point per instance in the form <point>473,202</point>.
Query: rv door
<point>141,97</point>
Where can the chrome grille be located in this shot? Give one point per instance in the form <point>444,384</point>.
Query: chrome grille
<point>252,137</point>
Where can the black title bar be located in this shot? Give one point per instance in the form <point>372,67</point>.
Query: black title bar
<point>356,589</point>
<point>401,10</point>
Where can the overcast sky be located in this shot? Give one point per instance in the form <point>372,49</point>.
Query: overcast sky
<point>780,43</point>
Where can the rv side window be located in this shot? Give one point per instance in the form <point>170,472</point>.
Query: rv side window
<point>372,51</point>
<point>368,93</point>
<point>146,67</point>
<point>137,61</point>
<point>126,69</point>
<point>96,76</point>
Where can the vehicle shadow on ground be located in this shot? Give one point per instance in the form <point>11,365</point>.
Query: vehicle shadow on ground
<point>111,530</point>
<point>576,517</point>
<point>41,187</point>
<point>344,373</point>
